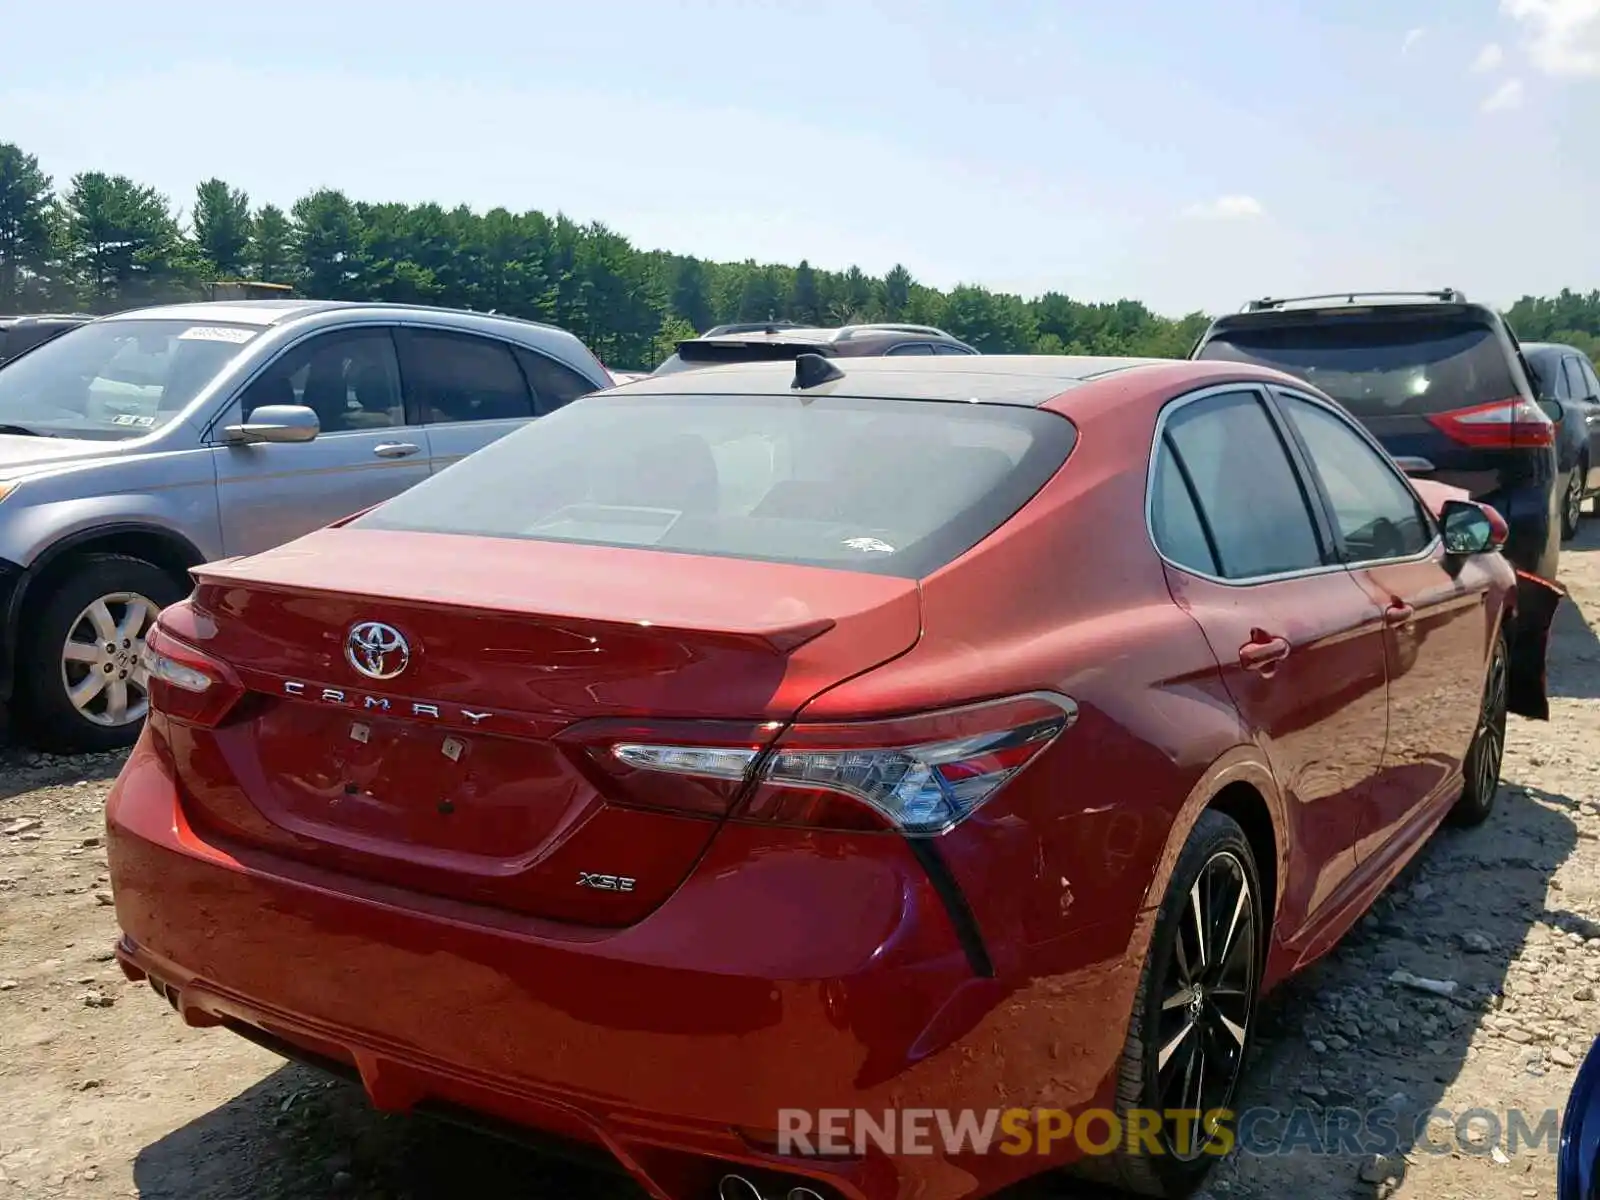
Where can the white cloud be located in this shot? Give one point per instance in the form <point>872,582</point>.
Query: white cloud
<point>1507,95</point>
<point>1563,36</point>
<point>1226,208</point>
<point>1413,36</point>
<point>1490,57</point>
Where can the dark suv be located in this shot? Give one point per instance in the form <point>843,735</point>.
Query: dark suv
<point>25,332</point>
<point>781,340</point>
<point>1441,382</point>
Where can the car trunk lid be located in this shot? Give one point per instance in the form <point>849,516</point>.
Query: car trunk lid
<point>463,768</point>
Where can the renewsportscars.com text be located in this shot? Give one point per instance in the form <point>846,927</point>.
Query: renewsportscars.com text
<point>1098,1131</point>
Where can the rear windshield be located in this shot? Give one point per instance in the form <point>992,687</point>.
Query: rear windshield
<point>890,487</point>
<point>1381,368</point>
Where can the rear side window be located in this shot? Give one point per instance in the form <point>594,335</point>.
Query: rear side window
<point>1592,383</point>
<point>1381,368</point>
<point>1176,522</point>
<point>1255,516</point>
<point>888,487</point>
<point>1577,386</point>
<point>554,384</point>
<point>458,377</point>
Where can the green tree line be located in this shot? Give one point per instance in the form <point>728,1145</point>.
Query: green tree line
<point>1572,318</point>
<point>103,242</point>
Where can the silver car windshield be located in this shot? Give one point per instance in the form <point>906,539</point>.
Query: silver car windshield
<point>115,379</point>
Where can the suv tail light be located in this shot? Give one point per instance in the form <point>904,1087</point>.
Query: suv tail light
<point>1503,424</point>
<point>186,684</point>
<point>917,775</point>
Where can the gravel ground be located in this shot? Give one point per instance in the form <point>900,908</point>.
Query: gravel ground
<point>104,1092</point>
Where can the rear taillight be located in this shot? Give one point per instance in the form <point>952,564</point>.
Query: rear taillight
<point>917,775</point>
<point>186,684</point>
<point>1502,424</point>
<point>693,767</point>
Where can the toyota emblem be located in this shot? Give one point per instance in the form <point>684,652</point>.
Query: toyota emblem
<point>376,650</point>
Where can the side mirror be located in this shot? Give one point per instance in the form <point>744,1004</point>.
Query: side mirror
<point>275,423</point>
<point>1553,410</point>
<point>1471,528</point>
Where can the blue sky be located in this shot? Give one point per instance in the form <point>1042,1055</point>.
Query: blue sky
<point>1187,154</point>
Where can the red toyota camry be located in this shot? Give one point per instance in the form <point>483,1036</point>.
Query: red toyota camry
<point>730,767</point>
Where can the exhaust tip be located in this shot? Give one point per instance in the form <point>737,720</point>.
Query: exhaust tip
<point>737,1187</point>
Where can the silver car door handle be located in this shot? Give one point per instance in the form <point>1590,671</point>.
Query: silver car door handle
<point>395,449</point>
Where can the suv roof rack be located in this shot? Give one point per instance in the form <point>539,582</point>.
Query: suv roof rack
<point>1268,303</point>
<point>849,331</point>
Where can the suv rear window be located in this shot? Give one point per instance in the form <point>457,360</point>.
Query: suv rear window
<point>890,487</point>
<point>1380,368</point>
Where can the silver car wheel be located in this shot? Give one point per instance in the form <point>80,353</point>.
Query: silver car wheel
<point>104,665</point>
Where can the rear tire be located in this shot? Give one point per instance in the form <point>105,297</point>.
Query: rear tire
<point>1487,752</point>
<point>1572,501</point>
<point>1190,999</point>
<point>81,669</point>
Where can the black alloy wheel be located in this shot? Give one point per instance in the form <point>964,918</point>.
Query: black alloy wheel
<point>1487,752</point>
<point>1193,1016</point>
<point>1207,992</point>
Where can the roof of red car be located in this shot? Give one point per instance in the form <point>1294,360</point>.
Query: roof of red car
<point>990,378</point>
<point>1025,379</point>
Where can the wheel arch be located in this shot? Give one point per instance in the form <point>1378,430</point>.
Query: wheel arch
<point>163,548</point>
<point>1239,785</point>
<point>1241,801</point>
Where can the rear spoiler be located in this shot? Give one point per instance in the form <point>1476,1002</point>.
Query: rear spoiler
<point>776,636</point>
<point>699,350</point>
<point>1279,318</point>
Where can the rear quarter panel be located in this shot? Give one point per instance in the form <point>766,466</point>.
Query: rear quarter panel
<point>1064,866</point>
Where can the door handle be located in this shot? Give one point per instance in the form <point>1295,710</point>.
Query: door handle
<point>1263,651</point>
<point>1398,613</point>
<point>395,449</point>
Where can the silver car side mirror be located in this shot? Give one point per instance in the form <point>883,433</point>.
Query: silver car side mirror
<point>275,423</point>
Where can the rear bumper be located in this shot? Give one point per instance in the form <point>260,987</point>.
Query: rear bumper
<point>1533,542</point>
<point>671,1045</point>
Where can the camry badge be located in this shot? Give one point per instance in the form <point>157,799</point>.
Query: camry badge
<point>376,650</point>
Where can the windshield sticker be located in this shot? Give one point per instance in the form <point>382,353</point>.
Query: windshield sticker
<point>216,333</point>
<point>135,420</point>
<point>869,545</point>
